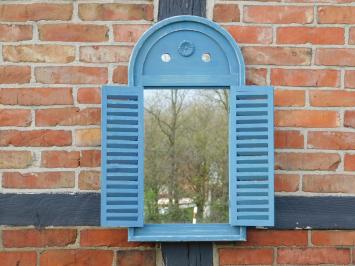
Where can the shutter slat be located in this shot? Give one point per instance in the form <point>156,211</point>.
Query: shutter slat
<point>251,156</point>
<point>122,134</point>
<point>250,109</point>
<point>122,150</point>
<point>251,165</point>
<point>122,157</point>
<point>253,126</point>
<point>252,187</point>
<point>252,135</point>
<point>252,183</point>
<point>124,209</point>
<point>130,143</point>
<point>123,190</point>
<point>250,150</point>
<point>251,208</point>
<point>115,126</point>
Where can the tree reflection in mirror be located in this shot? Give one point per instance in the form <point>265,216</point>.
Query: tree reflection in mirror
<point>186,156</point>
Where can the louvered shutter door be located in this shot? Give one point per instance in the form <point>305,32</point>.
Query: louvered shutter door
<point>251,156</point>
<point>122,157</point>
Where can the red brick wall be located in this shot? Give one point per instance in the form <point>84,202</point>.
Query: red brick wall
<point>107,247</point>
<point>56,55</point>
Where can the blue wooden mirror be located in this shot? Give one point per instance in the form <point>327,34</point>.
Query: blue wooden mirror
<point>187,52</point>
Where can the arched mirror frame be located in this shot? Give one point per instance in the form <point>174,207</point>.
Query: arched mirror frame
<point>151,68</point>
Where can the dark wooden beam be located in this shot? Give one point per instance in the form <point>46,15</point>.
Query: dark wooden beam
<point>83,209</point>
<point>50,209</point>
<point>187,254</point>
<point>181,254</point>
<point>170,8</point>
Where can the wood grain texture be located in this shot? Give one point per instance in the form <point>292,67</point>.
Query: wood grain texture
<point>50,209</point>
<point>83,209</point>
<point>170,8</point>
<point>187,254</point>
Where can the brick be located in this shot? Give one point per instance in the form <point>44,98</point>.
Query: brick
<point>89,180</point>
<point>245,256</point>
<point>310,35</point>
<point>73,32</point>
<point>335,56</point>
<point>129,32</point>
<point>349,162</point>
<point>336,14</point>
<point>15,159</point>
<point>76,257</point>
<point>278,14</point>
<point>277,56</point>
<point>349,119</point>
<point>120,75</point>
<point>39,53</point>
<point>306,118</point>
<point>332,98</point>
<point>60,159</point>
<point>331,140</point>
<point>289,98</point>
<point>332,183</point>
<point>88,137</point>
<point>305,77</point>
<point>286,182</point>
<point>38,238</point>
<point>256,76</point>
<point>116,11</point>
<point>15,33</point>
<point>15,74</point>
<point>89,95</point>
<point>251,34</point>
<point>333,238</point>
<point>18,258</point>
<point>306,161</point>
<point>39,180</point>
<point>36,96</point>
<point>107,238</point>
<point>90,158</point>
<point>35,12</point>
<point>350,79</point>
<point>226,13</point>
<point>68,116</point>
<point>71,75</point>
<point>136,257</point>
<point>313,256</point>
<point>15,117</point>
<point>35,138</point>
<point>105,54</point>
<point>276,238</point>
<point>289,139</point>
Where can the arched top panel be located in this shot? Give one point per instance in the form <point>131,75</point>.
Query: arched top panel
<point>186,51</point>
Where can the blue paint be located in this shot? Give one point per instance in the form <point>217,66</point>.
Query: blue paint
<point>252,152</point>
<point>167,35</point>
<point>251,146</point>
<point>187,232</point>
<point>122,160</point>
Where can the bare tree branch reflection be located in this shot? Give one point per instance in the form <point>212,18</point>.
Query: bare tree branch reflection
<point>186,163</point>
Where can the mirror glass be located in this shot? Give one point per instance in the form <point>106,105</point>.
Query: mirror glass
<point>186,156</point>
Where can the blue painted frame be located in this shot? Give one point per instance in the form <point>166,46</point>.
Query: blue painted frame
<point>109,91</point>
<point>254,197</point>
<point>226,70</point>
